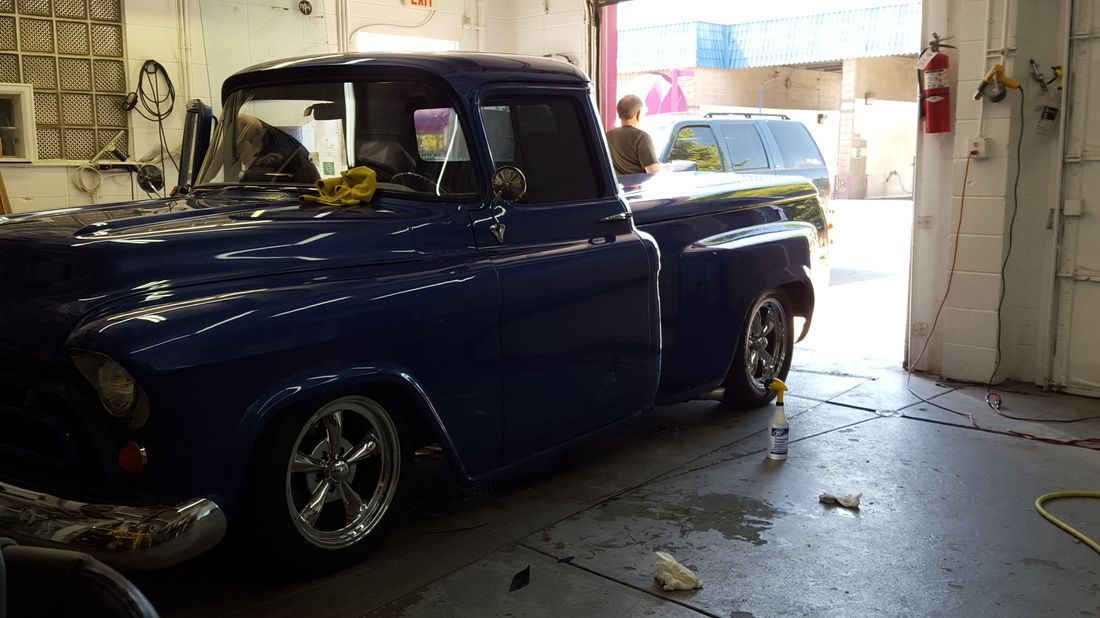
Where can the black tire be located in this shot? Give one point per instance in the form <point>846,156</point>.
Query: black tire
<point>765,333</point>
<point>293,525</point>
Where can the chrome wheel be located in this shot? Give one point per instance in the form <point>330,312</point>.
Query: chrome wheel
<point>343,472</point>
<point>766,343</point>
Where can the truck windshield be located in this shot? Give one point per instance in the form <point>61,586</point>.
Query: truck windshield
<point>406,131</point>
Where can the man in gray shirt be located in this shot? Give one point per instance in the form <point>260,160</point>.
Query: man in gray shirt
<point>631,147</point>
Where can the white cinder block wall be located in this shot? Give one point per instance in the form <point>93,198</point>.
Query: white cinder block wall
<point>224,37</point>
<point>536,27</point>
<point>394,17</point>
<point>965,342</point>
<point>542,27</point>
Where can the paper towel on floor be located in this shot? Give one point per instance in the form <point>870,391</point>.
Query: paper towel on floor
<point>850,501</point>
<point>675,576</point>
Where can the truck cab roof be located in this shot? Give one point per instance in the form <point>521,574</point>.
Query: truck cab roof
<point>465,71</point>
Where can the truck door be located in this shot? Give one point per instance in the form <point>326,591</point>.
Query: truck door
<point>579,317</point>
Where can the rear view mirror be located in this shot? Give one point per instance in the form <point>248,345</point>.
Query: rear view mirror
<point>680,165</point>
<point>325,111</point>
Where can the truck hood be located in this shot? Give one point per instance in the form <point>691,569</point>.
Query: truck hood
<point>56,266</point>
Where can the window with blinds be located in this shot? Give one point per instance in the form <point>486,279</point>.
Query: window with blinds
<point>71,52</point>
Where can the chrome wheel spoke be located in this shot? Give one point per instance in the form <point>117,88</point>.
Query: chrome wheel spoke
<point>767,360</point>
<point>312,509</point>
<point>769,326</point>
<point>353,504</point>
<point>333,428</point>
<point>305,463</point>
<point>368,448</point>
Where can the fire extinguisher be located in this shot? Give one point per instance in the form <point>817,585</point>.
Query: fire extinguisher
<point>935,93</point>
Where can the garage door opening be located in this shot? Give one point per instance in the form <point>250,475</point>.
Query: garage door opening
<point>826,90</point>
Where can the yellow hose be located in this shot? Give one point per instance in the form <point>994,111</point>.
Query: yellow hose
<point>1061,524</point>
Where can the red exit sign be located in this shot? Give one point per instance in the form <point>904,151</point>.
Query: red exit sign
<point>421,3</point>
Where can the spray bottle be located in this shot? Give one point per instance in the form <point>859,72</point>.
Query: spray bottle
<point>780,429</point>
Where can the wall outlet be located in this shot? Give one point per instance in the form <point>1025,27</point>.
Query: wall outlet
<point>978,147</point>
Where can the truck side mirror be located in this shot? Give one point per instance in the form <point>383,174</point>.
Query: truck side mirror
<point>509,183</point>
<point>196,141</point>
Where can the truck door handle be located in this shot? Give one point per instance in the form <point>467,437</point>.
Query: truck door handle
<point>619,216</point>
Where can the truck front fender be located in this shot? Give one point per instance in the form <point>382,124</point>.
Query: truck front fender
<point>312,387</point>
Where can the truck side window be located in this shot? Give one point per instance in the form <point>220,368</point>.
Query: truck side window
<point>546,138</point>
<point>697,144</point>
<point>795,144</point>
<point>745,147</point>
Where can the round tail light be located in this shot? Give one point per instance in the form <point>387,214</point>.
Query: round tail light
<point>132,457</point>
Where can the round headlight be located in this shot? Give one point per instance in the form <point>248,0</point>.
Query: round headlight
<point>116,388</point>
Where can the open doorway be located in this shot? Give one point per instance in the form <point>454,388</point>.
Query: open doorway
<point>824,89</point>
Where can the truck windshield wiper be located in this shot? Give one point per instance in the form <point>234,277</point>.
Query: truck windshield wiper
<point>252,187</point>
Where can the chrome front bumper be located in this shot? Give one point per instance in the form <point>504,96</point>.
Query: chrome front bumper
<point>128,537</point>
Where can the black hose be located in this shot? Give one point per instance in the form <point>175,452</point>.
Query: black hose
<point>150,105</point>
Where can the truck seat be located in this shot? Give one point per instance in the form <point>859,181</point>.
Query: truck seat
<point>387,151</point>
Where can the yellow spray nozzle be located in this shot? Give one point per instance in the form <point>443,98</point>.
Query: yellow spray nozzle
<point>779,387</point>
<point>1009,82</point>
<point>999,80</point>
<point>998,71</point>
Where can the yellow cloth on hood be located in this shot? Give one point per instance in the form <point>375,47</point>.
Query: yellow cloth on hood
<point>348,189</point>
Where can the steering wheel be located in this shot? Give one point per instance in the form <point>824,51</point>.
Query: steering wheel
<point>382,172</point>
<point>422,178</point>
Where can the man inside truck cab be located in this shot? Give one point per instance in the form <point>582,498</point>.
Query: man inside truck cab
<point>268,154</point>
<point>631,148</point>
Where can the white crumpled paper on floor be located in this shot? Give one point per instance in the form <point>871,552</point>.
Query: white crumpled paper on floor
<point>849,501</point>
<point>673,575</point>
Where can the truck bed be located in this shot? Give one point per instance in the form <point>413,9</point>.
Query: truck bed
<point>724,238</point>
<point>661,197</point>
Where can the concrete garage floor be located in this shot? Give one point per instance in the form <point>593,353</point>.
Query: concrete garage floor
<point>947,526</point>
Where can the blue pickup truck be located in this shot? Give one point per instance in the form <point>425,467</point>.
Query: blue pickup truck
<point>235,358</point>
